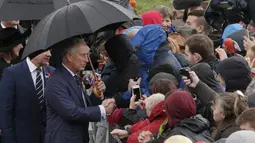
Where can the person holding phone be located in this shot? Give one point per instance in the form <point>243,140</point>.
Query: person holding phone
<point>156,116</point>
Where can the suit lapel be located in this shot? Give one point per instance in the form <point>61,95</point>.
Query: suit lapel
<point>72,82</point>
<point>45,75</point>
<point>27,78</point>
<point>87,99</point>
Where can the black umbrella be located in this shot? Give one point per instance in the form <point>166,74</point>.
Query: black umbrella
<point>29,9</point>
<point>85,17</point>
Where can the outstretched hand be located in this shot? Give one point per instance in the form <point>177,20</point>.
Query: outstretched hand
<point>121,134</point>
<point>248,43</point>
<point>109,105</point>
<point>145,136</point>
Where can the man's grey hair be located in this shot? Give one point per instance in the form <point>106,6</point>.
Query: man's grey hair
<point>69,45</point>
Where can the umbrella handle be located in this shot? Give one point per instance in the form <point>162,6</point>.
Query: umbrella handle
<point>96,93</point>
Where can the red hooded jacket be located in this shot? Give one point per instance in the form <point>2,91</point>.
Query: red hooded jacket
<point>151,17</point>
<point>152,124</point>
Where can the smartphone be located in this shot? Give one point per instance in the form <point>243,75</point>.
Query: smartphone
<point>185,72</point>
<point>137,91</point>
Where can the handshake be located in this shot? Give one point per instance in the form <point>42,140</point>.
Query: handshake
<point>109,105</point>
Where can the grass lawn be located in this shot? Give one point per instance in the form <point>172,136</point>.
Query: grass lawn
<point>146,5</point>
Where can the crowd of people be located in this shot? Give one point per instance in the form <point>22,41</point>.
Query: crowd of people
<point>193,87</point>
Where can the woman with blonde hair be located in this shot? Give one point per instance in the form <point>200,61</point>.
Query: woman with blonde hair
<point>226,108</point>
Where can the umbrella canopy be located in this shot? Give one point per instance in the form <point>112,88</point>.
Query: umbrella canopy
<point>29,9</point>
<point>85,17</point>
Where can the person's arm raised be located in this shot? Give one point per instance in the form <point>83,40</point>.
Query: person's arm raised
<point>203,92</point>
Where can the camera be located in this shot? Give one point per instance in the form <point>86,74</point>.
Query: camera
<point>185,72</point>
<point>221,13</point>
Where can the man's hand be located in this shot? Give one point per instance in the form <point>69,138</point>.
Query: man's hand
<point>120,133</point>
<point>248,43</point>
<point>145,137</point>
<point>100,86</point>
<point>109,109</point>
<point>222,53</point>
<point>109,105</point>
<point>175,48</point>
<point>106,102</point>
<point>193,81</point>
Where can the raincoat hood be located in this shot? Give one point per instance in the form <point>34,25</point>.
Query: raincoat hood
<point>151,17</point>
<point>157,111</point>
<point>131,28</point>
<point>179,106</point>
<point>196,124</point>
<point>231,29</point>
<point>147,40</point>
<point>119,50</point>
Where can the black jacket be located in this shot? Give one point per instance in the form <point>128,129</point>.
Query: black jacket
<point>205,96</point>
<point>224,131</point>
<point>126,65</point>
<point>207,75</point>
<point>121,80</point>
<point>195,128</point>
<point>3,65</point>
<point>212,61</point>
<point>117,81</point>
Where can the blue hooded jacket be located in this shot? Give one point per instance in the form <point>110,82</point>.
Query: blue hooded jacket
<point>147,40</point>
<point>172,29</point>
<point>131,28</point>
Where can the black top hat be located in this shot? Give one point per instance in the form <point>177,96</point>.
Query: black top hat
<point>11,37</point>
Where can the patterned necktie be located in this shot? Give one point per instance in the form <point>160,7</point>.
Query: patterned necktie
<point>39,88</point>
<point>79,82</point>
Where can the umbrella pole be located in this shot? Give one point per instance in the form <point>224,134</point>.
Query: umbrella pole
<point>96,93</point>
<point>68,2</point>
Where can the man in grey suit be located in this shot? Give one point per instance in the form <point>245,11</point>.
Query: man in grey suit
<point>69,109</point>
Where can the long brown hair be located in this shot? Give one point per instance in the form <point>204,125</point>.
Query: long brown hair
<point>232,105</point>
<point>8,56</point>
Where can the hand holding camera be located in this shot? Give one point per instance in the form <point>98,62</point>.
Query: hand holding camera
<point>192,80</point>
<point>185,72</point>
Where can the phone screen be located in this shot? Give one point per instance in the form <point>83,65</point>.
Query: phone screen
<point>137,92</point>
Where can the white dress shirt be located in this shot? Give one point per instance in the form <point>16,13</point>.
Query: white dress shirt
<point>102,109</point>
<point>33,71</point>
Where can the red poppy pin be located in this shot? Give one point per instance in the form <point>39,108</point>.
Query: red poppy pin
<point>47,75</point>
